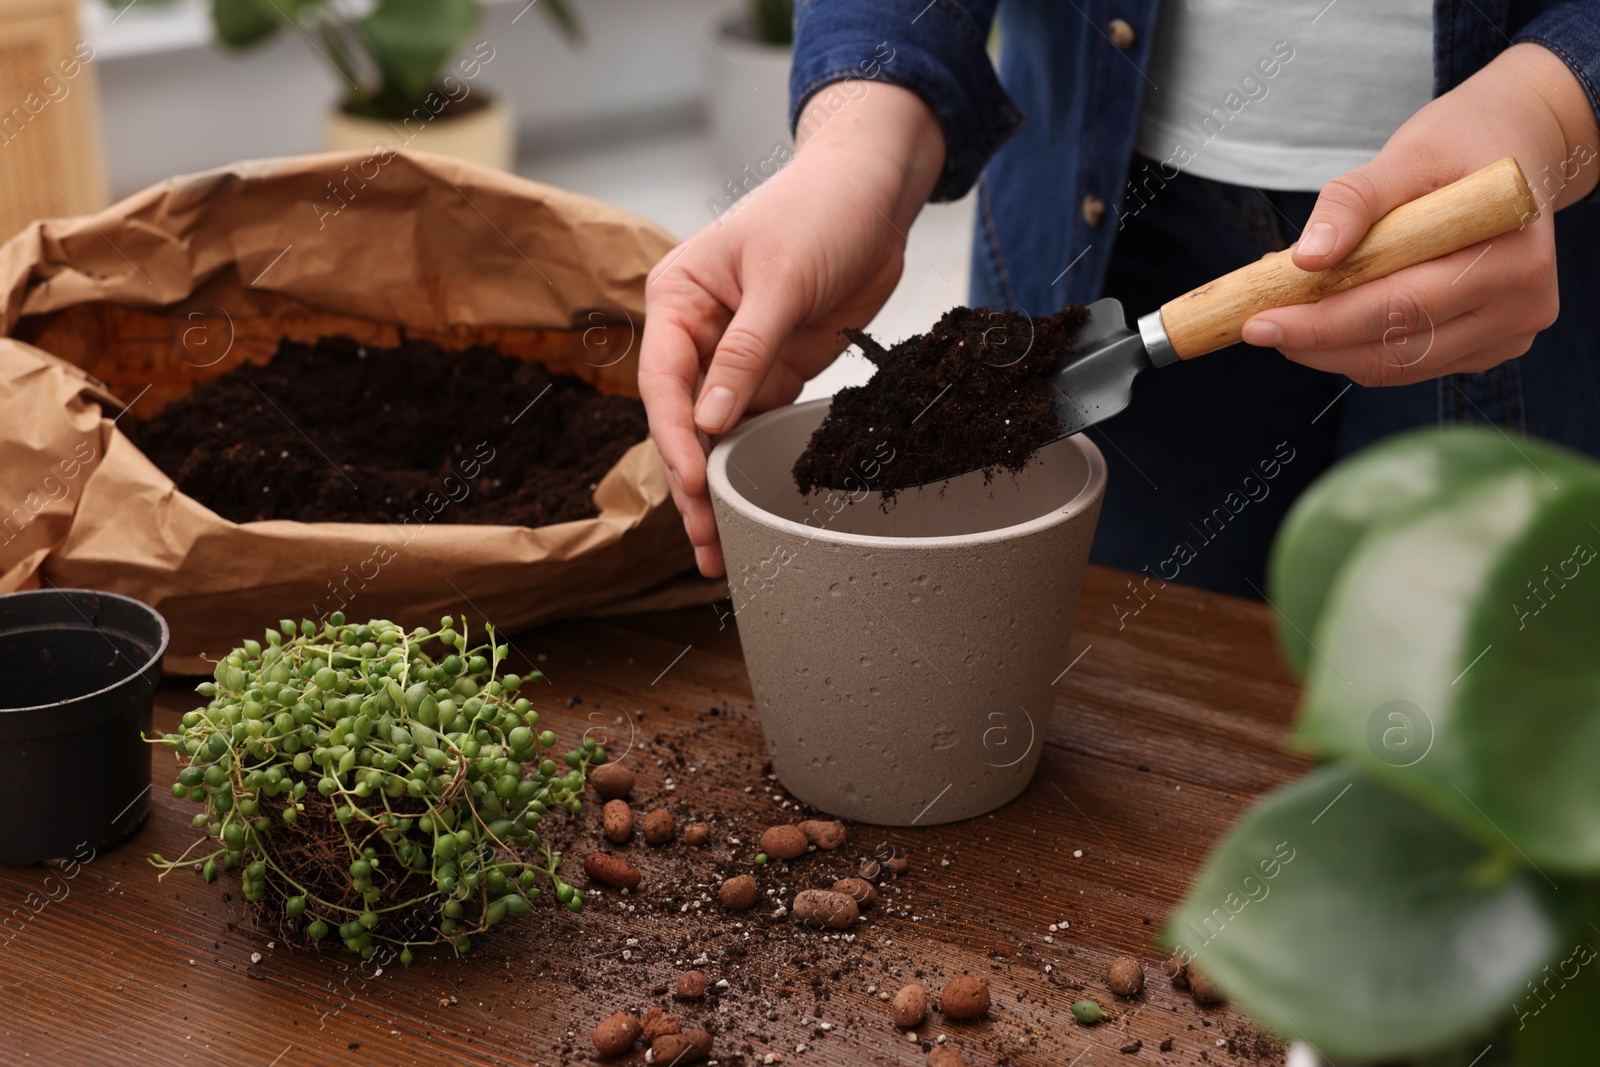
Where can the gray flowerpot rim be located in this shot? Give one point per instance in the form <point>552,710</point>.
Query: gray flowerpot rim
<point>717,476</point>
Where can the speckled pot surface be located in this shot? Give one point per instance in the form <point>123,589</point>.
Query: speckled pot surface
<point>902,657</point>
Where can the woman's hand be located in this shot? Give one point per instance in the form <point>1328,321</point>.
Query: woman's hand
<point>740,316</point>
<point>1475,308</point>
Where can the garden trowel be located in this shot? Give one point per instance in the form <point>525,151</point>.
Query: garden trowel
<point>1095,382</point>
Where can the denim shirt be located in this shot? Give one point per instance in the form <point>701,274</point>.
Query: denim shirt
<point>1053,135</point>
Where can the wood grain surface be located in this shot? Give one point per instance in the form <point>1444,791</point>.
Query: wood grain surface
<point>1164,731</point>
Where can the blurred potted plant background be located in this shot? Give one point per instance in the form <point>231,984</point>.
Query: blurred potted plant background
<point>1428,895</point>
<point>749,85</point>
<point>409,77</point>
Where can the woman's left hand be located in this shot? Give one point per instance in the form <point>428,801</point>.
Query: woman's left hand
<point>1473,309</point>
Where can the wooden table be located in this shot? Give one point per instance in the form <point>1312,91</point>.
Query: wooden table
<point>1165,729</point>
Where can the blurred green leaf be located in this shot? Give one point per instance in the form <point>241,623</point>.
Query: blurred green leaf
<point>773,21</point>
<point>242,23</point>
<point>412,41</point>
<point>1383,934</point>
<point>1380,485</point>
<point>562,18</point>
<point>1556,1020</point>
<point>1477,616</point>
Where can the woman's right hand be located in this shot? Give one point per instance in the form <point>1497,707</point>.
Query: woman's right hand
<point>740,316</point>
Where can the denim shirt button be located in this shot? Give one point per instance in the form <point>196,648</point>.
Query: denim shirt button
<point>1121,33</point>
<point>1094,210</point>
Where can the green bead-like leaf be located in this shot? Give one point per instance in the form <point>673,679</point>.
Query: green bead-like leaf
<point>412,40</point>
<point>1344,915</point>
<point>1381,485</point>
<point>1473,624</point>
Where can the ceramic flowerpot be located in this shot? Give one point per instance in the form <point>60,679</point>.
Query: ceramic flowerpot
<point>748,104</point>
<point>478,129</point>
<point>81,668</point>
<point>903,655</point>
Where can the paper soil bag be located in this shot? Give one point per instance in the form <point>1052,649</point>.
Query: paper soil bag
<point>111,316</point>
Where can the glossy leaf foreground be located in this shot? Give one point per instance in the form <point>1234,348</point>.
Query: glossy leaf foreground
<point>1467,629</point>
<point>1342,915</point>
<point>1379,486</point>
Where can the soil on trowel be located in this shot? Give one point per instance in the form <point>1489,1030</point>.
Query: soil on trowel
<point>972,393</point>
<point>342,432</point>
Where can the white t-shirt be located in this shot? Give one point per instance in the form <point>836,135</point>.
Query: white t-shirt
<point>1283,94</point>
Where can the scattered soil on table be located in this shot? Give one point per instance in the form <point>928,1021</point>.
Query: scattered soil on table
<point>342,432</point>
<point>774,984</point>
<point>972,393</point>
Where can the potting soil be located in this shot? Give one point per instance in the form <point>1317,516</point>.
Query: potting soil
<point>341,432</point>
<point>972,393</point>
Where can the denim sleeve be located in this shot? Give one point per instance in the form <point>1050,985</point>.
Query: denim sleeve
<point>937,50</point>
<point>1572,32</point>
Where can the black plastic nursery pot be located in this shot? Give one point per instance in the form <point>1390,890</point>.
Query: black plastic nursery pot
<point>78,670</point>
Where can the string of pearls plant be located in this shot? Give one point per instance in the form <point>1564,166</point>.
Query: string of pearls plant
<point>367,790</point>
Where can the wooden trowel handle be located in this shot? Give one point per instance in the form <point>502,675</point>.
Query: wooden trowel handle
<point>1494,201</point>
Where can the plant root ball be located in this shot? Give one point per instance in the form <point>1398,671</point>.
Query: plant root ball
<point>692,986</point>
<point>1203,989</point>
<point>658,1022</point>
<point>1125,977</point>
<point>616,818</point>
<point>739,893</point>
<point>616,1035</point>
<point>909,1007</point>
<point>964,998</point>
<point>659,827</point>
<point>684,1047</point>
<point>613,871</point>
<point>696,834</point>
<point>945,1056</point>
<point>612,781</point>
<point>822,907</point>
<point>824,834</point>
<point>860,890</point>
<point>784,842</point>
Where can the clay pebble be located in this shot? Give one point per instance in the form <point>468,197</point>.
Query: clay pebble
<point>964,998</point>
<point>612,781</point>
<point>909,1007</point>
<point>739,893</point>
<point>1177,972</point>
<point>692,986</point>
<point>659,827</point>
<point>690,1046</point>
<point>1203,989</point>
<point>616,1034</point>
<point>613,871</point>
<point>658,1022</point>
<point>784,842</point>
<point>1125,977</point>
<point>696,833</point>
<point>616,818</point>
<point>824,907</point>
<point>860,890</point>
<point>823,833</point>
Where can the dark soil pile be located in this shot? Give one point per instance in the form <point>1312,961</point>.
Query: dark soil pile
<point>340,432</point>
<point>972,393</point>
